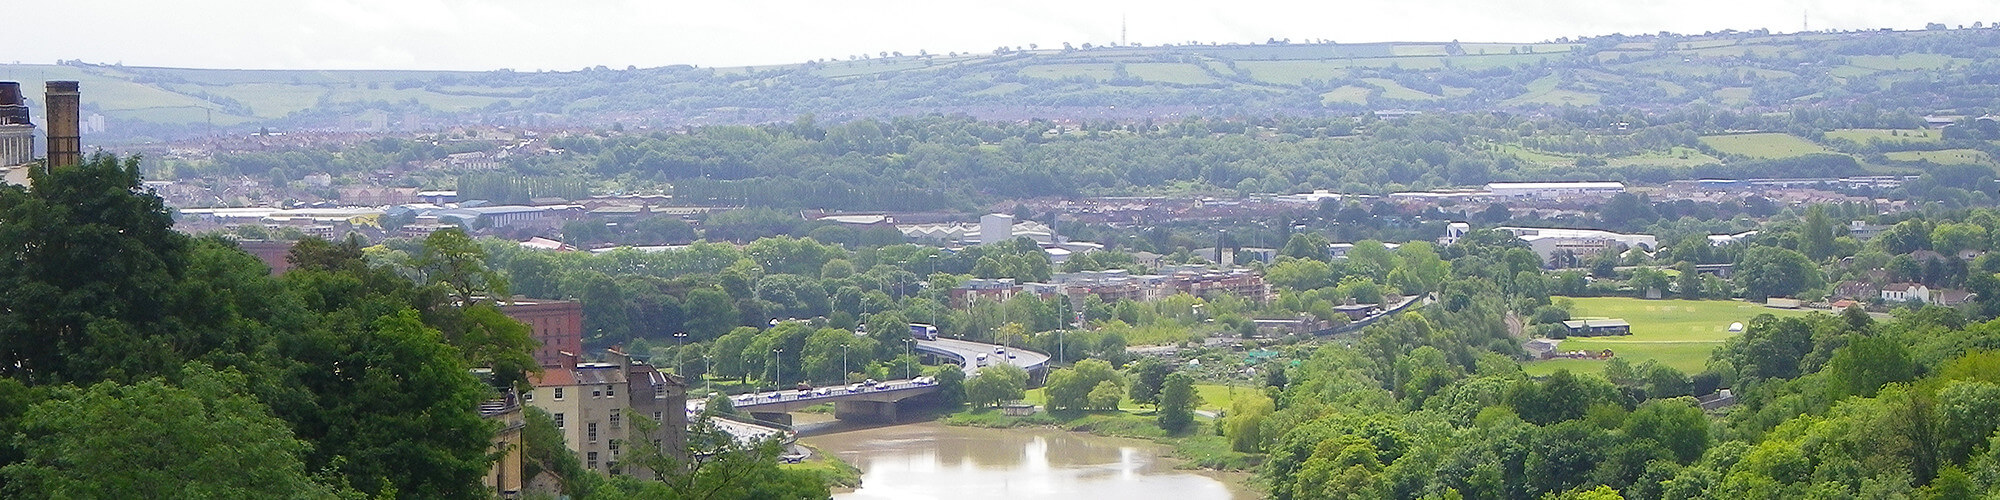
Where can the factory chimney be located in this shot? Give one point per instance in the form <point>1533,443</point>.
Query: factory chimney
<point>64,107</point>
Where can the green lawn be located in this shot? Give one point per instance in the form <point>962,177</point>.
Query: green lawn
<point>1674,157</point>
<point>1393,90</point>
<point>1217,396</point>
<point>1677,333</point>
<point>1545,91</point>
<point>1944,157</point>
<point>1347,94</point>
<point>1763,145</point>
<point>1169,73</point>
<point>1863,135</point>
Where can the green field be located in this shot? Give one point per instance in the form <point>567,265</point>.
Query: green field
<point>1677,333</point>
<point>1393,90</point>
<point>1903,62</point>
<point>1544,91</point>
<point>1169,73</point>
<point>1094,71</point>
<point>1293,72</point>
<point>1348,94</point>
<point>1863,135</point>
<point>1763,145</point>
<point>1676,157</point>
<point>1944,156</point>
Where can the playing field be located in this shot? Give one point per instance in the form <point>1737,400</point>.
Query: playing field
<point>1677,333</point>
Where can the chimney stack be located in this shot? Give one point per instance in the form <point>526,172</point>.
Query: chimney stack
<point>64,105</point>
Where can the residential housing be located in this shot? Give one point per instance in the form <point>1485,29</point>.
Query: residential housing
<point>594,406</point>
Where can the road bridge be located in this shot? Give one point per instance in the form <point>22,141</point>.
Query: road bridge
<point>877,401</point>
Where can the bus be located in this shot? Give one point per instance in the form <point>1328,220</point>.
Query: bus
<point>922,331</point>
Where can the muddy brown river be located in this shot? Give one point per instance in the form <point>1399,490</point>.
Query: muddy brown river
<point>931,461</point>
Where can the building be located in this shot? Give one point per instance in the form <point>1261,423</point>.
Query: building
<point>1906,292</point>
<point>1550,190</point>
<point>1597,327</point>
<point>1453,232</point>
<point>1549,243</point>
<point>974,291</point>
<point>503,478</point>
<point>995,228</point>
<point>17,133</point>
<point>556,325</point>
<point>274,253</point>
<point>595,406</point>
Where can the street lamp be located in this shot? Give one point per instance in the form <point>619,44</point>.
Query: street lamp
<point>681,340</point>
<point>778,360</point>
<point>906,357</point>
<point>843,362</point>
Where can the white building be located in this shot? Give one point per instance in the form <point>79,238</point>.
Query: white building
<point>1580,243</point>
<point>1554,189</point>
<point>995,228</point>
<point>1906,292</point>
<point>1454,231</point>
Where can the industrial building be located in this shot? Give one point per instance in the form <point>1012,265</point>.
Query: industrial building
<point>1549,243</point>
<point>1550,190</point>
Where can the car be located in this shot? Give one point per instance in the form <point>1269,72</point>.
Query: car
<point>745,398</point>
<point>854,388</point>
<point>822,391</point>
<point>1010,355</point>
<point>999,350</point>
<point>924,380</point>
<point>982,358</point>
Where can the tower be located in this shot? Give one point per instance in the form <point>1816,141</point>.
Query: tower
<point>17,133</point>
<point>64,103</point>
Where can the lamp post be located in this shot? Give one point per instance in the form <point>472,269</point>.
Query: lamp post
<point>778,360</point>
<point>843,362</point>
<point>681,340</point>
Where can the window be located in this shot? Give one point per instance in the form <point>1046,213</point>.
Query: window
<point>614,420</point>
<point>559,420</point>
<point>656,417</point>
<point>610,390</point>
<point>659,391</point>
<point>596,393</point>
<point>592,431</point>
<point>614,449</point>
<point>528,396</point>
<point>559,394</point>
<point>591,461</point>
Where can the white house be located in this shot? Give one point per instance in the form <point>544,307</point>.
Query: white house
<point>1582,243</point>
<point>1906,292</point>
<point>1554,189</point>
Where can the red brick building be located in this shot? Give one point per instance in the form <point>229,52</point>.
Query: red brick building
<point>556,324</point>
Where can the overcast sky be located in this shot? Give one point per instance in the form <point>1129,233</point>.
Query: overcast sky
<point>529,35</point>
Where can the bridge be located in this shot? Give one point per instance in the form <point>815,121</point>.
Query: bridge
<point>877,401</point>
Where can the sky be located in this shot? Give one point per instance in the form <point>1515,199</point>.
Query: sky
<point>528,35</point>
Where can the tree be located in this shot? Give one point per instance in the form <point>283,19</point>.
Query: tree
<point>393,408</point>
<point>1177,401</point>
<point>1243,425</point>
<point>155,440</point>
<point>1105,396</point>
<point>951,384</point>
<point>1069,389</point>
<point>1149,375</point>
<point>91,277</point>
<point>1818,229</point>
<point>1775,272</point>
<point>996,384</point>
<point>543,452</point>
<point>452,259</point>
<point>1865,364</point>
<point>1675,425</point>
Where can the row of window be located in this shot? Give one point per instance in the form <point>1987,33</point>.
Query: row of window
<point>606,391</point>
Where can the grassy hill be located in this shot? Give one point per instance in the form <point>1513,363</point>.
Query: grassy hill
<point>1911,72</point>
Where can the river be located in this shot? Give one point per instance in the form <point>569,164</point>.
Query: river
<point>933,461</point>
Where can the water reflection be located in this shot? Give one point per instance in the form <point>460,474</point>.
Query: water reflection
<point>930,461</point>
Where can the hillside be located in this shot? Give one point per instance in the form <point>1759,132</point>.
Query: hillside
<point>1913,73</point>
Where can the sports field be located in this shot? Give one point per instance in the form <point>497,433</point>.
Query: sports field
<point>1677,333</point>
